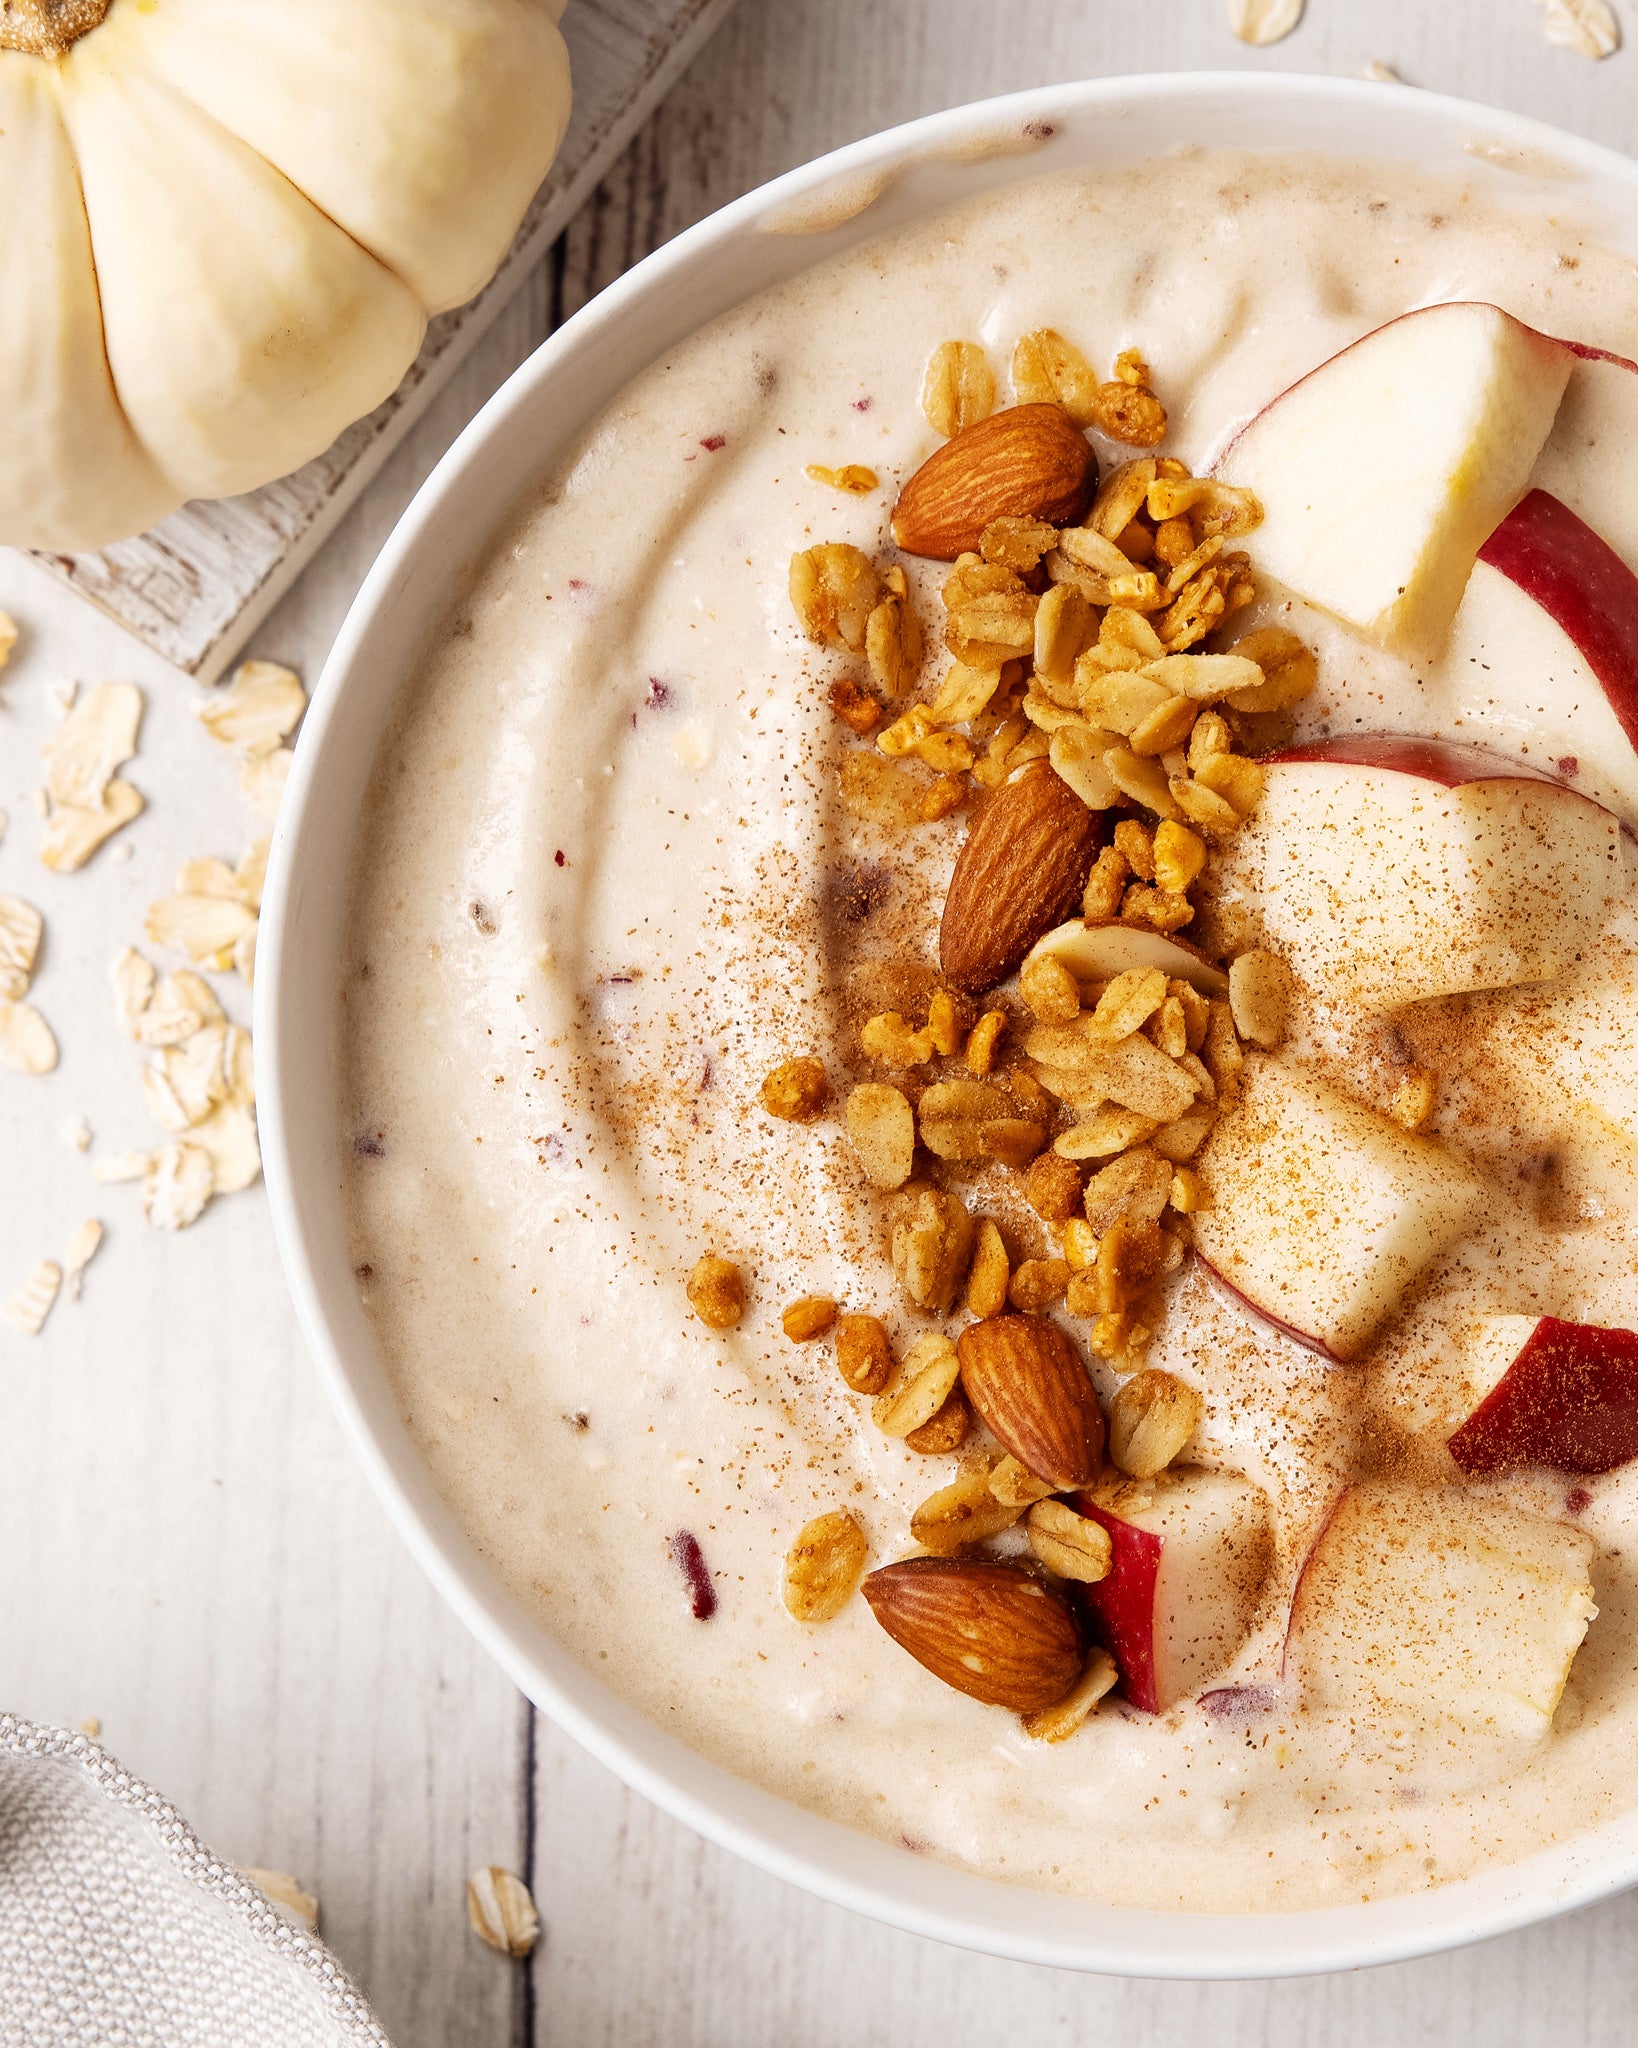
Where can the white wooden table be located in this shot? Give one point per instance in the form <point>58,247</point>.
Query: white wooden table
<point>188,1552</point>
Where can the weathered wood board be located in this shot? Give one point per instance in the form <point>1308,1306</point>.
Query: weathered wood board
<point>197,585</point>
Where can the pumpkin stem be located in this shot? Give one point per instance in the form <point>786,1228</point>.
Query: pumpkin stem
<point>46,28</point>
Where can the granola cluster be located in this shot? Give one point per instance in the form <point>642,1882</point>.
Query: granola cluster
<point>1097,651</point>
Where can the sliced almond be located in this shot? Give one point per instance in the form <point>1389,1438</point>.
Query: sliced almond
<point>1098,951</point>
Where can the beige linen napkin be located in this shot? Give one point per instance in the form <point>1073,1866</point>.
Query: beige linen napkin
<point>120,1929</point>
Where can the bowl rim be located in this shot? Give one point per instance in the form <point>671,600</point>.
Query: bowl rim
<point>838,1864</point>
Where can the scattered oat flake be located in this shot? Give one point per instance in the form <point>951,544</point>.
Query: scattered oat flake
<point>8,637</point>
<point>73,832</point>
<point>228,1134</point>
<point>178,1185</point>
<point>1261,22</point>
<point>261,706</point>
<point>1588,27</point>
<point>20,928</point>
<point>133,977</point>
<point>97,737</point>
<point>261,781</point>
<point>26,1043</point>
<point>209,877</point>
<point>502,1911</point>
<point>251,873</point>
<point>286,1897</point>
<point>120,1166</point>
<point>28,1307</point>
<point>203,927</point>
<point>76,1134</point>
<point>244,955</point>
<point>92,1726</point>
<point>1379,73</point>
<point>63,695</point>
<point>82,1249</point>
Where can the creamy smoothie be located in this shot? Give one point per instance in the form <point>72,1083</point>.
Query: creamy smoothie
<point>621,859</point>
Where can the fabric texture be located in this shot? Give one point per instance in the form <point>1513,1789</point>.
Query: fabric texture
<point>120,1929</point>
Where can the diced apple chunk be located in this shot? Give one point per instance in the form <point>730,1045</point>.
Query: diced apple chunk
<point>1395,870</point>
<point>1440,1606</point>
<point>1525,1390</point>
<point>1190,1551</point>
<point>1324,1214</point>
<point>1383,470</point>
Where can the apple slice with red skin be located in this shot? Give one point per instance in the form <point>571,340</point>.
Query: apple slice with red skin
<point>1544,649</point>
<point>1098,949</point>
<point>1430,1606</point>
<point>1189,1554</point>
<point>1324,1214</point>
<point>1526,1390</point>
<point>1385,468</point>
<point>1396,868</point>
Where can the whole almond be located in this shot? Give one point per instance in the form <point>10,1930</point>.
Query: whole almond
<point>1020,873</point>
<point>992,1631</point>
<point>1032,1393</point>
<point>1030,462</point>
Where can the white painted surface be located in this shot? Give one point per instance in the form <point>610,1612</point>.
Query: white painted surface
<point>190,1555</point>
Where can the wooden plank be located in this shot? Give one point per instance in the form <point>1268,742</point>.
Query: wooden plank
<point>198,584</point>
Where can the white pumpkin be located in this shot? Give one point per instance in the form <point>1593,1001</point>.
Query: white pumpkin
<point>223,224</point>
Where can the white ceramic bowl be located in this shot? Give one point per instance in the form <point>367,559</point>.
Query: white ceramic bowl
<point>862,191</point>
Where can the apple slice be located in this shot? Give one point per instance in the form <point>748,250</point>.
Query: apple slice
<point>1383,470</point>
<point>1396,868</point>
<point>1527,1390</point>
<point>1189,1554</point>
<point>1544,650</point>
<point>1099,950</point>
<point>1439,1606</point>
<point>1324,1214</point>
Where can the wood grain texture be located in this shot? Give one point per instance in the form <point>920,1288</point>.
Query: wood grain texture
<point>196,586</point>
<point>192,1554</point>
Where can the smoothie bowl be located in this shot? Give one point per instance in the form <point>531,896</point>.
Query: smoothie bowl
<point>947,1023</point>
